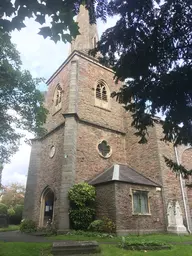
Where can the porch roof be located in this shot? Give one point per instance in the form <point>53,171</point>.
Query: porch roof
<point>122,173</point>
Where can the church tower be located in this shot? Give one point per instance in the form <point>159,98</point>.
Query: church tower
<point>88,33</point>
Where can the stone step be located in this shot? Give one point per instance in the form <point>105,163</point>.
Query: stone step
<point>62,248</point>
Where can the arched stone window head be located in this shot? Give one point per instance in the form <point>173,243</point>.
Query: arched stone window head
<point>102,95</point>
<point>57,97</point>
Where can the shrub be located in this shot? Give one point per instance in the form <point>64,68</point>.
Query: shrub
<point>108,225</point>
<point>143,245</point>
<point>96,226</point>
<point>28,226</point>
<point>11,212</point>
<point>82,210</point>
<point>81,218</point>
<point>3,209</point>
<point>17,217</point>
<point>90,234</point>
<point>81,195</point>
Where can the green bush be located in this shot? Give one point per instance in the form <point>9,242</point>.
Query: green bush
<point>82,205</point>
<point>96,226</point>
<point>11,212</point>
<point>143,245</point>
<point>81,218</point>
<point>17,217</point>
<point>108,225</point>
<point>3,209</point>
<point>90,234</point>
<point>82,195</point>
<point>28,226</point>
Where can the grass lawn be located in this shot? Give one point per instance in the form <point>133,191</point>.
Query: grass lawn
<point>10,228</point>
<point>168,238</point>
<point>25,249</point>
<point>44,249</point>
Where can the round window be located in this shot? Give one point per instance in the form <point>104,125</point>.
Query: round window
<point>104,149</point>
<point>52,151</point>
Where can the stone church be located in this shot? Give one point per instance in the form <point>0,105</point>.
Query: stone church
<point>90,138</point>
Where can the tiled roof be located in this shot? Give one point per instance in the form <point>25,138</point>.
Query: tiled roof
<point>122,173</point>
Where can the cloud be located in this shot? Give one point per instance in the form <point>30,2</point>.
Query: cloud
<point>16,171</point>
<point>41,57</point>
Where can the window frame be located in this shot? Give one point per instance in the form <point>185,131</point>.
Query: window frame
<point>57,106</point>
<point>103,101</point>
<point>144,191</point>
<point>108,155</point>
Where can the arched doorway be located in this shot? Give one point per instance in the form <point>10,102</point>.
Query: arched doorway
<point>47,207</point>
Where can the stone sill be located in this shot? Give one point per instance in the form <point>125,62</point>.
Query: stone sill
<point>106,109</point>
<point>141,214</point>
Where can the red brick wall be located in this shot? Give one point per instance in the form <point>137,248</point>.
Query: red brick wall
<point>143,223</point>
<point>105,201</point>
<point>89,74</point>
<point>55,118</point>
<point>89,162</point>
<point>143,157</point>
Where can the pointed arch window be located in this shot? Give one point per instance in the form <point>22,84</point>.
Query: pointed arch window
<point>101,91</point>
<point>57,98</point>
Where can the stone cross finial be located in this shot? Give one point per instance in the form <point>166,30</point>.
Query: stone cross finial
<point>88,33</point>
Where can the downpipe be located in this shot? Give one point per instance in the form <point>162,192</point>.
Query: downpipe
<point>182,191</point>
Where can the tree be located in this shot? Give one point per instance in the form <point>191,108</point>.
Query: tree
<point>60,12</point>
<point>150,47</point>
<point>21,104</point>
<point>13,195</point>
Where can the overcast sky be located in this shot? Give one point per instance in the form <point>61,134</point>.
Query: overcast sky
<point>41,57</point>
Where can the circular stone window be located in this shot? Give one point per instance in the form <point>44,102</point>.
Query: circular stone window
<point>104,149</point>
<point>52,151</point>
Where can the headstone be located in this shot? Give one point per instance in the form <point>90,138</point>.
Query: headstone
<point>175,218</point>
<point>75,248</point>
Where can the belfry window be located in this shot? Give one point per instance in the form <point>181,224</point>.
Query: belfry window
<point>57,98</point>
<point>58,95</point>
<point>101,92</point>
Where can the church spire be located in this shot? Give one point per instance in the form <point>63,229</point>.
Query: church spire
<point>88,33</point>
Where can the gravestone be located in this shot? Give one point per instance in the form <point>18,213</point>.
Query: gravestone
<point>175,218</point>
<point>75,248</point>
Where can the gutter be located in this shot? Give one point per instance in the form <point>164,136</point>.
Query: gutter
<point>182,191</point>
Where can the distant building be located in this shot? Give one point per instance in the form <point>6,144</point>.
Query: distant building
<point>90,138</point>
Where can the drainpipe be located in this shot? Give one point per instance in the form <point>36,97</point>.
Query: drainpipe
<point>182,191</point>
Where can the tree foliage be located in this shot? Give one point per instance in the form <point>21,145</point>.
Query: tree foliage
<point>13,195</point>
<point>82,205</point>
<point>150,47</point>
<point>21,104</point>
<point>60,12</point>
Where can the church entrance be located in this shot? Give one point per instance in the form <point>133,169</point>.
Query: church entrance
<point>47,207</point>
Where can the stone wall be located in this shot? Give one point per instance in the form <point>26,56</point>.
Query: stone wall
<point>143,157</point>
<point>46,173</point>
<point>55,117</point>
<point>105,201</point>
<point>114,200</point>
<point>32,179</point>
<point>186,160</point>
<point>89,162</point>
<point>89,75</point>
<point>127,222</point>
